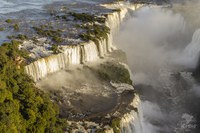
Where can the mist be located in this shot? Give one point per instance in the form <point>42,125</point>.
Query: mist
<point>161,44</point>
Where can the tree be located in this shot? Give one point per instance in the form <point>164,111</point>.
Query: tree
<point>23,107</point>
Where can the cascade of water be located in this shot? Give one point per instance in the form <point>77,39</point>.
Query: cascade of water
<point>53,63</point>
<point>92,55</point>
<point>110,45</point>
<point>85,52</point>
<point>131,122</point>
<point>189,57</point>
<point>192,50</point>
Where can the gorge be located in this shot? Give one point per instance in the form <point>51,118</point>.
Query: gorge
<point>110,66</point>
<point>162,47</point>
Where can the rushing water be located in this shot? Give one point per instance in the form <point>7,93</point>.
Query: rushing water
<point>161,46</point>
<point>8,6</point>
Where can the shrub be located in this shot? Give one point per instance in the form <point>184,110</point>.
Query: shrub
<point>55,35</point>
<point>16,27</point>
<point>8,21</point>
<point>55,49</point>
<point>116,125</point>
<point>2,29</point>
<point>94,32</point>
<point>20,37</point>
<point>85,17</point>
<point>114,72</point>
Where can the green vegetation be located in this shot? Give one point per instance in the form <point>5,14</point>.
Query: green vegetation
<point>23,107</point>
<point>16,27</point>
<point>55,49</point>
<point>94,32</point>
<point>8,21</point>
<point>2,29</point>
<point>91,29</point>
<point>114,72</point>
<point>116,125</point>
<point>57,39</point>
<point>19,37</point>
<point>46,31</point>
<point>85,17</point>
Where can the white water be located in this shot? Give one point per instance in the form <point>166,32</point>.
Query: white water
<point>90,52</point>
<point>131,122</point>
<point>191,52</point>
<point>92,55</point>
<point>157,56</point>
<point>72,55</point>
<point>156,43</point>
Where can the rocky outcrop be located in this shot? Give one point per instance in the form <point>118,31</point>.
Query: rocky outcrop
<point>122,123</point>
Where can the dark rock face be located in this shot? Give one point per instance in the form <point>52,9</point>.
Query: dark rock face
<point>196,71</point>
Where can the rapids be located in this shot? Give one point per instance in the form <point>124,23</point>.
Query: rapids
<point>161,46</point>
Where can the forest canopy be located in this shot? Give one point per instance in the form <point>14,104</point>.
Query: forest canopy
<point>23,107</point>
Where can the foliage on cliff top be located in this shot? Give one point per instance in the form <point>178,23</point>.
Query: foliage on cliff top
<point>94,32</point>
<point>86,17</point>
<point>115,124</point>
<point>47,31</point>
<point>19,37</point>
<point>114,72</point>
<point>23,108</point>
<point>93,25</point>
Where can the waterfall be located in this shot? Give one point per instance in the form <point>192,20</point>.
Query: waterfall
<point>92,55</point>
<point>113,22</point>
<point>110,45</point>
<point>131,122</point>
<point>189,57</point>
<point>192,50</point>
<point>77,54</point>
<point>88,52</point>
<point>85,52</point>
<point>53,63</point>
